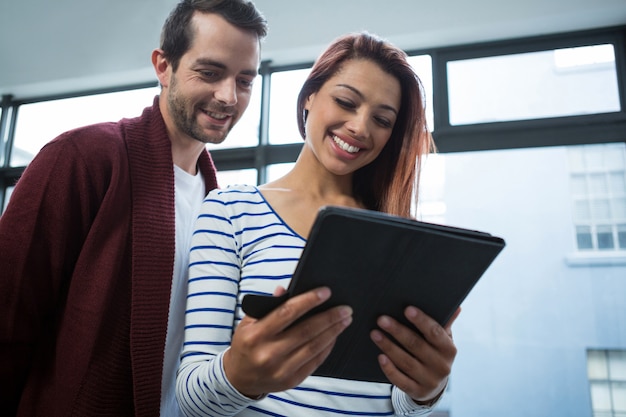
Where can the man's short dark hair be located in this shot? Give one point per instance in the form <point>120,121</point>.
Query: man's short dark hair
<point>177,34</point>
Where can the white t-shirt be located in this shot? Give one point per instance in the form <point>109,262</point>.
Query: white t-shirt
<point>189,193</point>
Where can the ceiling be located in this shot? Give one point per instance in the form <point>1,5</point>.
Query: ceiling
<point>54,47</point>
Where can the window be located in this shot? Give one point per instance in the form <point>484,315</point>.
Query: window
<point>38,123</point>
<point>423,67</point>
<point>276,171</point>
<point>5,114</point>
<point>598,188</point>
<point>560,82</point>
<point>7,196</point>
<point>240,176</point>
<point>285,87</point>
<point>431,206</point>
<point>606,370</point>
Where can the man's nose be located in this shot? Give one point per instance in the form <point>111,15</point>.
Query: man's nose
<point>226,92</point>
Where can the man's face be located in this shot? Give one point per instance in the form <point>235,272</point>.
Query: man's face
<point>211,88</point>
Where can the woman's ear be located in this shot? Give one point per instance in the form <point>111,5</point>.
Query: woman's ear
<point>309,102</point>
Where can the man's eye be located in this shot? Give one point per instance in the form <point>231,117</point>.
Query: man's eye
<point>208,74</point>
<point>246,83</point>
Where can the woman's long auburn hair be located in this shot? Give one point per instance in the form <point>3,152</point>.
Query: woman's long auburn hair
<point>390,182</point>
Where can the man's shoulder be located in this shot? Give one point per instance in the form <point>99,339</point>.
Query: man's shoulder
<point>130,125</point>
<point>96,141</point>
<point>108,137</point>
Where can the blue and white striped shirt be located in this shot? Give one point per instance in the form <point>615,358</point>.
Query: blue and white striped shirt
<point>241,246</point>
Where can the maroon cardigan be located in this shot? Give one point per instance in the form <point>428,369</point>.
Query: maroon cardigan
<point>86,260</point>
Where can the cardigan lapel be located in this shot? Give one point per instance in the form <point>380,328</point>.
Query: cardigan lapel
<point>153,246</point>
<point>153,249</point>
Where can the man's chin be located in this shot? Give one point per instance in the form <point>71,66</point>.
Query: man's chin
<point>212,137</point>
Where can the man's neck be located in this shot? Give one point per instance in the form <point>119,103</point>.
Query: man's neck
<point>186,157</point>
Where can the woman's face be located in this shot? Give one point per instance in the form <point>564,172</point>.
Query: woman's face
<point>352,116</point>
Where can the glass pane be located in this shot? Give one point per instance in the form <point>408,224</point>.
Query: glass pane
<point>431,206</point>
<point>615,157</point>
<point>583,56</point>
<point>617,183</point>
<point>7,196</point>
<point>594,157</point>
<point>619,208</point>
<point>600,396</point>
<point>581,210</point>
<point>276,171</point>
<point>3,139</point>
<point>284,90</point>
<point>621,236</point>
<point>600,209</point>
<point>533,85</point>
<point>597,367</point>
<point>597,184</point>
<point>618,391</point>
<point>617,362</point>
<point>579,184</point>
<point>576,158</point>
<point>246,131</point>
<point>605,237</point>
<point>422,64</point>
<point>583,237</point>
<point>241,176</point>
<point>38,123</point>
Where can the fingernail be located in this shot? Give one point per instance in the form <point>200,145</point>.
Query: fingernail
<point>345,311</point>
<point>323,293</point>
<point>384,322</point>
<point>411,312</point>
<point>377,336</point>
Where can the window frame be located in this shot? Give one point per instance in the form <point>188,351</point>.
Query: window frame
<point>558,131</point>
<point>609,380</point>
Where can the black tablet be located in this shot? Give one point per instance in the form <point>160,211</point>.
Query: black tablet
<point>380,264</point>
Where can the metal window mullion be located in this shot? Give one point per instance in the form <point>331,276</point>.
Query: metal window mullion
<point>260,161</point>
<point>6,139</point>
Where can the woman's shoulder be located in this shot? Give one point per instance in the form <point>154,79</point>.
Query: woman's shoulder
<point>235,192</point>
<point>236,200</point>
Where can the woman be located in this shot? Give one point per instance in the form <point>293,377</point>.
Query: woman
<point>361,115</point>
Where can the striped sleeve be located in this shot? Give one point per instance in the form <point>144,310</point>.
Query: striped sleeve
<point>403,405</point>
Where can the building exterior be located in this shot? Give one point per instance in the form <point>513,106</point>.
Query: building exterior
<point>537,334</point>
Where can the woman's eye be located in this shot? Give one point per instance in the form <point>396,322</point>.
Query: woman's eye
<point>345,103</point>
<point>383,122</point>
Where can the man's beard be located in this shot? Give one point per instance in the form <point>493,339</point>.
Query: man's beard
<point>186,122</point>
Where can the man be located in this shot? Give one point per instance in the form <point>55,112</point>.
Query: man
<point>94,243</point>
